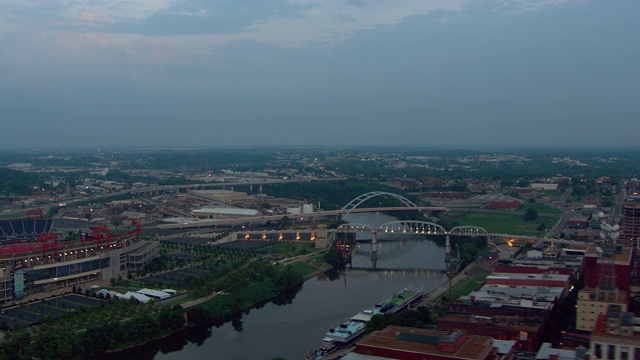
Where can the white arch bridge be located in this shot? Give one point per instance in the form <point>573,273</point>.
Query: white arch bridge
<point>353,204</point>
<point>412,227</point>
<point>404,227</point>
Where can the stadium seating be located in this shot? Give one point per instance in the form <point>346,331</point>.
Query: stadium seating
<point>24,229</point>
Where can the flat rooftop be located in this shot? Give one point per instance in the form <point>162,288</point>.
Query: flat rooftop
<point>619,258</point>
<point>471,319</point>
<point>475,348</point>
<point>548,276</point>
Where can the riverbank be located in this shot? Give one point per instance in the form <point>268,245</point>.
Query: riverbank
<point>293,327</point>
<point>466,275</point>
<point>432,298</point>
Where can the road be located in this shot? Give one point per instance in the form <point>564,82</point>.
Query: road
<point>559,226</point>
<point>294,217</point>
<point>617,209</point>
<point>565,196</point>
<point>555,231</point>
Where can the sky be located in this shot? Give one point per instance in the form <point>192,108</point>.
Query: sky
<point>547,73</point>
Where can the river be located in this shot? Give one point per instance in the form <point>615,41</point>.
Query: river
<point>291,331</point>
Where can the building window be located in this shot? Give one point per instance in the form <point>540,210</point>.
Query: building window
<point>636,353</point>
<point>598,351</point>
<point>611,352</point>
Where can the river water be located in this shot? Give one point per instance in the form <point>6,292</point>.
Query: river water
<point>292,330</point>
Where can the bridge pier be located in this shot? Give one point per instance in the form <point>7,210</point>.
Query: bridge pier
<point>374,250</point>
<point>447,261</point>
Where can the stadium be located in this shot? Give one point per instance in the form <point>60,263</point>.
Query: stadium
<point>33,259</point>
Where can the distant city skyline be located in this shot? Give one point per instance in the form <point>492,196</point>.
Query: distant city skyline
<point>169,73</point>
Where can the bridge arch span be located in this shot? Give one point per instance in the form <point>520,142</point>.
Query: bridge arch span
<point>412,226</point>
<point>469,231</point>
<point>354,227</point>
<point>364,197</point>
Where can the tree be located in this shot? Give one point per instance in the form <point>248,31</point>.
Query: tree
<point>579,191</point>
<point>285,222</point>
<point>531,214</point>
<point>468,252</point>
<point>334,258</point>
<point>116,221</point>
<point>575,180</point>
<point>381,321</point>
<point>266,205</point>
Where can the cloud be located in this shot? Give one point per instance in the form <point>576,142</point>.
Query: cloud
<point>329,22</point>
<point>90,17</point>
<point>59,13</point>
<point>72,30</point>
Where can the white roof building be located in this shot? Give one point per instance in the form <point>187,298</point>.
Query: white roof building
<point>154,293</point>
<point>140,297</point>
<point>224,212</point>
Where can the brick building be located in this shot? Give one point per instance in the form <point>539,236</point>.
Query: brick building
<point>397,342</point>
<point>631,224</point>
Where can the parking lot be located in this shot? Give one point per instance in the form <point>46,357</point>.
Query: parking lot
<point>29,314</point>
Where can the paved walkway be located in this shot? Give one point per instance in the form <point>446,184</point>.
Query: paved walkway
<point>199,301</point>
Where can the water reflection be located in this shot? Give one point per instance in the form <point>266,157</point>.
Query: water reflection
<point>293,324</point>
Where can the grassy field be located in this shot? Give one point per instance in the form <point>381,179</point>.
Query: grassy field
<point>556,194</point>
<point>540,208</point>
<point>503,223</point>
<point>303,268</point>
<point>464,287</point>
<point>292,249</point>
<point>13,215</point>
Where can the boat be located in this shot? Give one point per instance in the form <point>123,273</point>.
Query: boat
<point>347,332</point>
<point>399,301</point>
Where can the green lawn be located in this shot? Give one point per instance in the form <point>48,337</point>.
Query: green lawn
<point>292,249</point>
<point>464,287</point>
<point>556,194</point>
<point>503,223</point>
<point>318,259</point>
<point>540,208</point>
<point>303,268</point>
<point>13,215</point>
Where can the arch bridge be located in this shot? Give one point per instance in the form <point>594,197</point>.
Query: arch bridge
<point>412,227</point>
<point>364,197</point>
<point>408,227</point>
